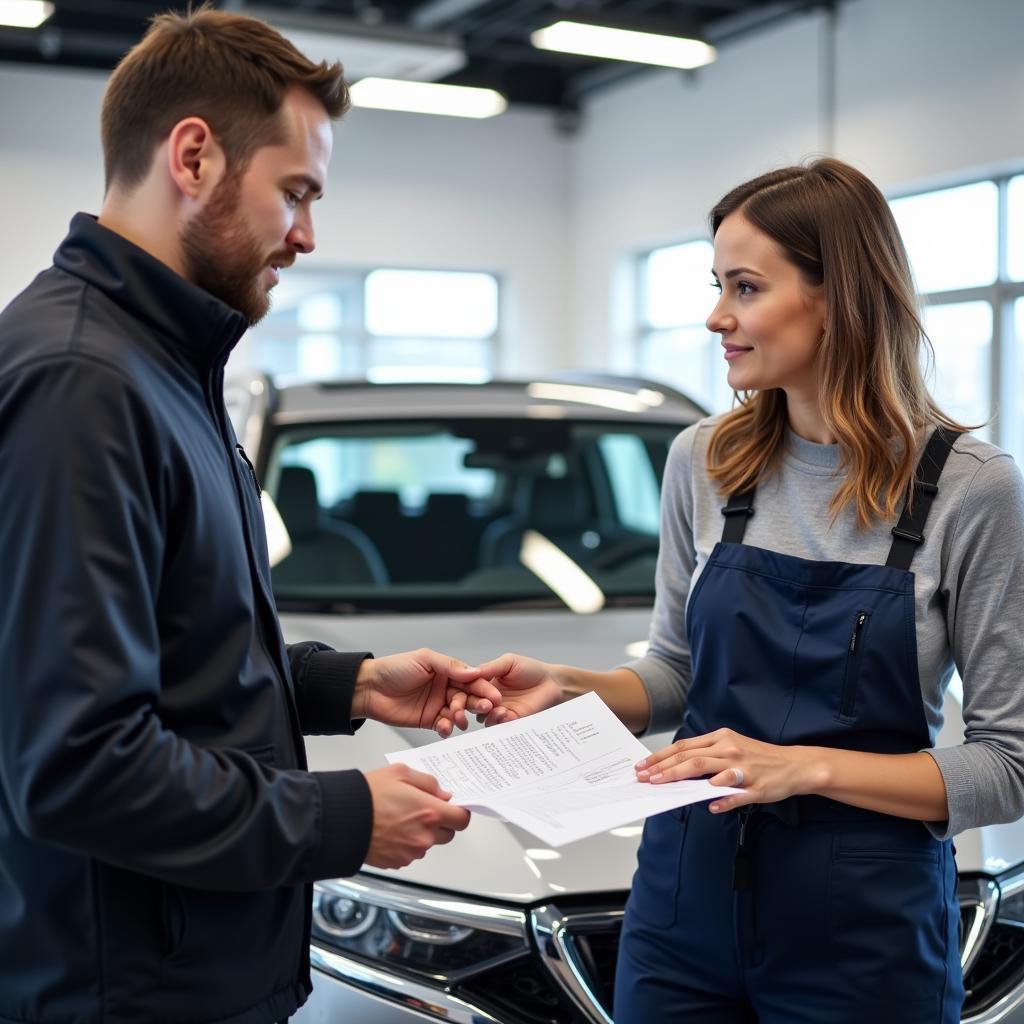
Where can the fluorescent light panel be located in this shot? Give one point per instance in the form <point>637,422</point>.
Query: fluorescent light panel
<point>24,13</point>
<point>365,56</point>
<point>623,44</point>
<point>427,98</point>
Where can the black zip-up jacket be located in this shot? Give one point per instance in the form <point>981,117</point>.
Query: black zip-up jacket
<point>159,830</point>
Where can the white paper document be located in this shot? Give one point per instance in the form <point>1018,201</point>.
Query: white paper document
<point>561,774</point>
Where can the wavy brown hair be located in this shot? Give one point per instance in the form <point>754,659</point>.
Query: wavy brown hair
<point>835,226</point>
<point>231,70</point>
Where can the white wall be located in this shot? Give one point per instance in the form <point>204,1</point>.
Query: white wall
<point>447,193</point>
<point>426,192</point>
<point>927,91</point>
<point>49,165</point>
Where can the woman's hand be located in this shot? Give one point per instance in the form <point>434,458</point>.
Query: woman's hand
<point>764,772</point>
<point>524,687</point>
<point>421,689</point>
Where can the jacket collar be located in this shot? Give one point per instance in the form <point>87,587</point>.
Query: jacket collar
<point>185,317</point>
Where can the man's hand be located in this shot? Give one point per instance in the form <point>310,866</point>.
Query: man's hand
<point>411,814</point>
<point>525,686</point>
<point>415,688</point>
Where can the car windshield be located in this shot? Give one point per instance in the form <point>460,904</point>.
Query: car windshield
<point>468,514</point>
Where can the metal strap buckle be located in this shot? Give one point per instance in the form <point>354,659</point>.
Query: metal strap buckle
<point>914,538</point>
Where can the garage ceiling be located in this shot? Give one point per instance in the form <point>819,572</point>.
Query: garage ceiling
<point>494,35</point>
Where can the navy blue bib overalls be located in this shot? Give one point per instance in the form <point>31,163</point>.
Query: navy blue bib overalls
<point>808,911</point>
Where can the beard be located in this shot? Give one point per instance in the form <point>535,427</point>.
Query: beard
<point>222,256</point>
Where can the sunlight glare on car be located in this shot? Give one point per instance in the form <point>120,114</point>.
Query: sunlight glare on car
<point>553,566</point>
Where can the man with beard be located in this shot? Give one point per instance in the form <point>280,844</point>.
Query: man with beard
<point>159,829</point>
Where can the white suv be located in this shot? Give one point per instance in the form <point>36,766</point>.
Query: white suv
<point>407,507</point>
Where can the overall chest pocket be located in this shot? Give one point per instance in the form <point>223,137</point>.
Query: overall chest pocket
<point>854,663</point>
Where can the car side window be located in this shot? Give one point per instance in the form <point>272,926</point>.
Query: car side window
<point>634,485</point>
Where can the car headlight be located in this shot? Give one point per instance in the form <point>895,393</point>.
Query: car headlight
<point>1011,900</point>
<point>429,934</point>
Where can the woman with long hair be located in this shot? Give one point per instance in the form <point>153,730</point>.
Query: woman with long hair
<point>830,550</point>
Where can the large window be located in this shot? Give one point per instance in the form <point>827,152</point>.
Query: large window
<point>966,249</point>
<point>675,345</point>
<point>382,324</point>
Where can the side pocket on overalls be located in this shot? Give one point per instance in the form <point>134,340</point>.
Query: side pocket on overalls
<point>655,894</point>
<point>887,912</point>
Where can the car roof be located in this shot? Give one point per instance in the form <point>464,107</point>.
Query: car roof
<point>570,396</point>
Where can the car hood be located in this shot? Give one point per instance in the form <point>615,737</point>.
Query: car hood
<point>498,860</point>
<point>492,858</point>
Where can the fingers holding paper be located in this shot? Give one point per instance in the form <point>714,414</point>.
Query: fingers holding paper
<point>411,813</point>
<point>766,772</point>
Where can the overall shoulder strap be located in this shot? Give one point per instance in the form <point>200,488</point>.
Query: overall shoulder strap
<point>738,509</point>
<point>908,533</point>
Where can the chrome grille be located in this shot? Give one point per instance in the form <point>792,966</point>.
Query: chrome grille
<point>579,948</point>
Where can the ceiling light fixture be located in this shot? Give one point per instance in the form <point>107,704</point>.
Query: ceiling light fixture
<point>365,50</point>
<point>24,13</point>
<point>623,44</point>
<point>427,98</point>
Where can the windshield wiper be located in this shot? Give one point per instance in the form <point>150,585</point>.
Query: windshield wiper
<point>526,603</point>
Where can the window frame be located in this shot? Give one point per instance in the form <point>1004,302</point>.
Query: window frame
<point>645,332</point>
<point>1007,423</point>
<point>1000,297</point>
<point>353,331</point>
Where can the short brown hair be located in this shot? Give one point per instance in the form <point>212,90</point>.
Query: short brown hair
<point>834,225</point>
<point>231,70</point>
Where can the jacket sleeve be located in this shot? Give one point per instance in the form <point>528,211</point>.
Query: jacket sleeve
<point>325,683</point>
<point>86,762</point>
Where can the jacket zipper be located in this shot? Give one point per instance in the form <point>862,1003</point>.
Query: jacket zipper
<point>252,469</point>
<point>853,659</point>
<point>303,977</point>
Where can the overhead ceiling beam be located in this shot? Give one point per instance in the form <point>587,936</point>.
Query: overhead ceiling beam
<point>435,13</point>
<point>52,43</point>
<point>515,19</point>
<point>721,5</point>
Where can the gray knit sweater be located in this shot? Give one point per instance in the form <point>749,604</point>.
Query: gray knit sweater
<point>968,582</point>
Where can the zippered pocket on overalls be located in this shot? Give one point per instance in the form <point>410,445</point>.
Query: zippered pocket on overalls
<point>854,659</point>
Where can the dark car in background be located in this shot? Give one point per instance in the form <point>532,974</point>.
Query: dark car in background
<point>477,519</point>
